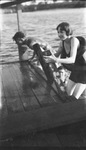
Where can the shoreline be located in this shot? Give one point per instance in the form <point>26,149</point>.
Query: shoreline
<point>41,7</point>
<point>75,4</point>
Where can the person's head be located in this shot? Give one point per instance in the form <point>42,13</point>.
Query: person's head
<point>64,30</point>
<point>19,37</point>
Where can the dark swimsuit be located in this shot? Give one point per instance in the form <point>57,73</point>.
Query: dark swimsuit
<point>79,75</point>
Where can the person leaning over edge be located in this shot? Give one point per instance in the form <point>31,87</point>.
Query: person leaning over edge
<point>21,41</point>
<point>72,50</point>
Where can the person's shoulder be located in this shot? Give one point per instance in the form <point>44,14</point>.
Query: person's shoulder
<point>30,38</point>
<point>35,39</point>
<point>80,38</point>
<point>74,42</point>
<point>41,40</point>
<point>74,39</point>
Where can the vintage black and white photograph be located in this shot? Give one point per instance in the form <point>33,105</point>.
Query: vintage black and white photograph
<point>42,74</point>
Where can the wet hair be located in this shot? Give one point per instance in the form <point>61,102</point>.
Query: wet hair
<point>64,26</point>
<point>18,35</point>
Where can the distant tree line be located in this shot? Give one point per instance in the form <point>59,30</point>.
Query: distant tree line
<point>58,0</point>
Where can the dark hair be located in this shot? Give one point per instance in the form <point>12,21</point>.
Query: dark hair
<point>18,35</point>
<point>64,26</point>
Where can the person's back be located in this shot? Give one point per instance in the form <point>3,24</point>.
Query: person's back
<point>80,59</point>
<point>30,41</point>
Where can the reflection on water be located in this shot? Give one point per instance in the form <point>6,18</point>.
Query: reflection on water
<point>41,24</point>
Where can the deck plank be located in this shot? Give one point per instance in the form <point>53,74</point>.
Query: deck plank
<point>31,81</point>
<point>37,88</point>
<point>41,139</point>
<point>3,101</point>
<point>11,93</point>
<point>20,75</point>
<point>14,105</point>
<point>72,140</point>
<point>34,111</point>
<point>51,89</point>
<point>28,99</point>
<point>43,82</point>
<point>71,135</point>
<point>47,93</point>
<point>30,103</point>
<point>8,83</point>
<point>43,118</point>
<point>3,107</point>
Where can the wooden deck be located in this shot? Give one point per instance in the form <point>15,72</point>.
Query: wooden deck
<point>29,104</point>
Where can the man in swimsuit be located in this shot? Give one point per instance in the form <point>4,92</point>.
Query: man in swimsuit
<point>42,48</point>
<point>24,42</point>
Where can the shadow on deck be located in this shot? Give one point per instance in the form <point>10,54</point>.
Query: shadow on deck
<point>29,104</point>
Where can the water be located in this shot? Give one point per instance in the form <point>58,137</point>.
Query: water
<point>40,24</point>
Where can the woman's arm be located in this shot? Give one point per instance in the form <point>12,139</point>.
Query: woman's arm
<point>54,56</point>
<point>73,53</point>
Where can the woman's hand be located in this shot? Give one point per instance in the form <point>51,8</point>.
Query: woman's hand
<point>49,59</point>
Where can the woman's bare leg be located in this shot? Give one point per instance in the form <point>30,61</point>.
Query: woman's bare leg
<point>70,87</point>
<point>79,89</point>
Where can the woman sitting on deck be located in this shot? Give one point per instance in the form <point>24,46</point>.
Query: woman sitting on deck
<point>72,50</point>
<point>27,42</point>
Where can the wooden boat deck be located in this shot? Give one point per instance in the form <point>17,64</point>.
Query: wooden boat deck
<point>29,104</point>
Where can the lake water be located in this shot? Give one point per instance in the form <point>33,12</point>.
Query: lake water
<point>40,24</point>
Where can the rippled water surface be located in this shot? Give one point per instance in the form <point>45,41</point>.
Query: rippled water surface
<point>40,24</point>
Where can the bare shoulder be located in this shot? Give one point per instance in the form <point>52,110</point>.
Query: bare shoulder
<point>74,41</point>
